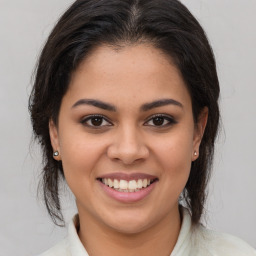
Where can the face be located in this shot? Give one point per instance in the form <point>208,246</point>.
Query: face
<point>126,137</point>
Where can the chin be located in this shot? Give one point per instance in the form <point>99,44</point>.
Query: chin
<point>127,224</point>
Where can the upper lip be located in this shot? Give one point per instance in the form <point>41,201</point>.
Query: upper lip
<point>127,176</point>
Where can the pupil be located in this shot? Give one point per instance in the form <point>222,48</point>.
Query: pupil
<point>97,121</point>
<point>158,120</point>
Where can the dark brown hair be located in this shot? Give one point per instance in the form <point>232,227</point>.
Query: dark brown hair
<point>168,26</point>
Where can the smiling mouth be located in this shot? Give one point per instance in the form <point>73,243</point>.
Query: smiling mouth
<point>126,186</point>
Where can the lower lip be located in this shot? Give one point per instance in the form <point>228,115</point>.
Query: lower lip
<point>128,197</point>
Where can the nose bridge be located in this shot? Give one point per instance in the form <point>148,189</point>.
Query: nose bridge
<point>129,138</point>
<point>128,145</point>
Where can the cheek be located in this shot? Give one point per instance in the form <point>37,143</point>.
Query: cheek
<point>80,155</point>
<point>176,162</point>
<point>174,157</point>
<point>80,158</point>
<point>175,148</point>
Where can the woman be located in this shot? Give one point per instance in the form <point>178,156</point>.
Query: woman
<point>125,106</point>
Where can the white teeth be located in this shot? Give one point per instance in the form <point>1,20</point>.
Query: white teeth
<point>132,184</point>
<point>116,184</point>
<point>123,184</point>
<point>144,183</point>
<point>139,183</point>
<point>127,186</point>
<point>110,183</point>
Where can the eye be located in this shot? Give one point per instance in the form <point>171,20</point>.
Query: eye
<point>95,121</point>
<point>160,120</point>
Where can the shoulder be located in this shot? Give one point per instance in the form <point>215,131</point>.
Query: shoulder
<point>220,244</point>
<point>60,249</point>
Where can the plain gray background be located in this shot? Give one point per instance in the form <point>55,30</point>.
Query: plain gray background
<point>25,228</point>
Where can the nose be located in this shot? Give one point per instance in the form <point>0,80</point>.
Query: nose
<point>128,146</point>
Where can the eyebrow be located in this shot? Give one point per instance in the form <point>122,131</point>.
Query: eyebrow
<point>110,107</point>
<point>160,103</point>
<point>95,103</point>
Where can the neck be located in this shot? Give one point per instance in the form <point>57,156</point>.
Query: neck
<point>159,239</point>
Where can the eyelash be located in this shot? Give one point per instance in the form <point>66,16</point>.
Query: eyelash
<point>170,121</point>
<point>167,118</point>
<point>89,118</point>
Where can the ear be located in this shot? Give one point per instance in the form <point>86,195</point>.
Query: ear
<point>199,132</point>
<point>54,137</point>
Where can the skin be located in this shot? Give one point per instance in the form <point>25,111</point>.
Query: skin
<point>127,141</point>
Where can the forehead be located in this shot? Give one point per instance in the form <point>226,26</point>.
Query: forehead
<point>138,73</point>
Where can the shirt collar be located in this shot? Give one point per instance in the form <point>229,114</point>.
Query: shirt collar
<point>183,244</point>
<point>75,245</point>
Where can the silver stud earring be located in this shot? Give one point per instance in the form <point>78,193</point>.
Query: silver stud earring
<point>195,153</point>
<point>56,153</point>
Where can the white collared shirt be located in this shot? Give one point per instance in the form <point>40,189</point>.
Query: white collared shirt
<point>192,241</point>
